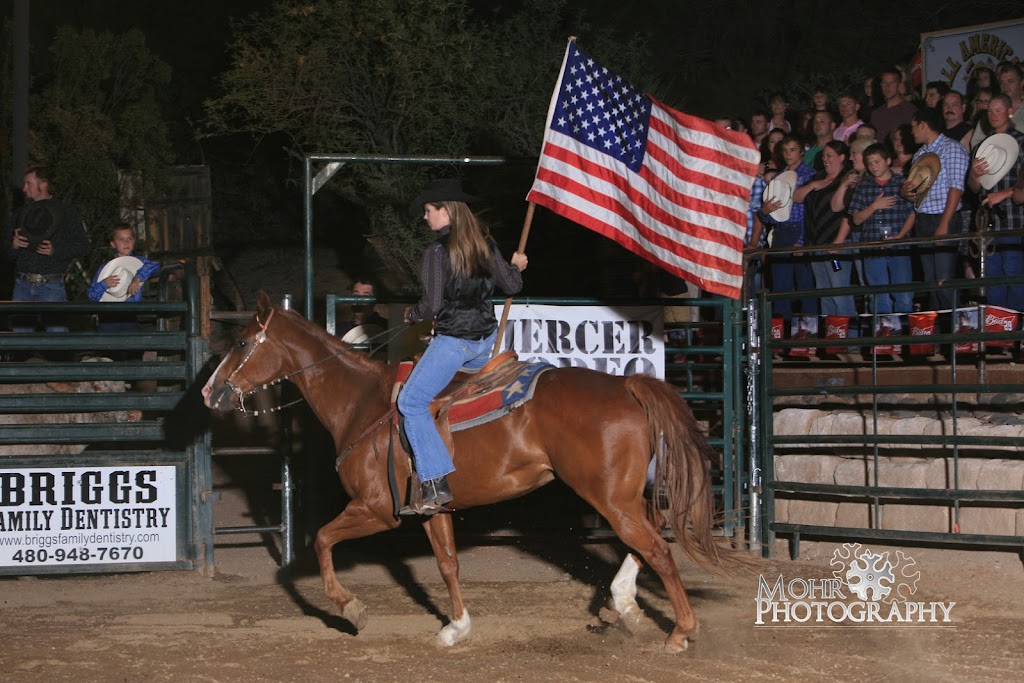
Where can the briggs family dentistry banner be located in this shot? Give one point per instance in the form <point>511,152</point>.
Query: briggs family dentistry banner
<point>950,56</point>
<point>621,340</point>
<point>87,515</point>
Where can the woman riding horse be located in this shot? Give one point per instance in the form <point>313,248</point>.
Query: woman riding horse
<point>458,272</point>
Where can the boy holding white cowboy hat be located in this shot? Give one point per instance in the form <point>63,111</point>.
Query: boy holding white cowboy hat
<point>121,279</point>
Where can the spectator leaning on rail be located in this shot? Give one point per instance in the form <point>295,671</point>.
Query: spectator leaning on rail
<point>821,227</point>
<point>880,214</point>
<point>1007,257</point>
<point>45,236</point>
<point>789,272</point>
<point>937,213</point>
<point>121,279</point>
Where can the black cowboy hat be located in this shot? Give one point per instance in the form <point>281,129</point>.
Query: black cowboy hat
<point>40,220</point>
<point>442,190</point>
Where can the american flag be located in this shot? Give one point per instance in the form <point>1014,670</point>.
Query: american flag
<point>668,186</point>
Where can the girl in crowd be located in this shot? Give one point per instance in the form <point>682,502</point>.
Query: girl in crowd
<point>979,116</point>
<point>768,167</point>
<point>756,234</point>
<point>981,77</point>
<point>819,99</point>
<point>901,142</point>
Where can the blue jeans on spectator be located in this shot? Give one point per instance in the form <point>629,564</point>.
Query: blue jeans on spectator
<point>891,269</point>
<point>826,277</point>
<point>938,262</point>
<point>1006,261</point>
<point>48,292</point>
<point>444,357</point>
<point>790,273</point>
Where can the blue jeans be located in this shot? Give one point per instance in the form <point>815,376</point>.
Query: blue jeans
<point>826,277</point>
<point>48,291</point>
<point>443,358</point>
<point>938,261</point>
<point>892,269</point>
<point>790,273</point>
<point>1006,261</point>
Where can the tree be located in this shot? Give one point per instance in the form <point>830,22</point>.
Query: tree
<point>384,77</point>
<point>95,121</point>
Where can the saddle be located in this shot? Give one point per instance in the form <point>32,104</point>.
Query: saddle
<point>474,398</point>
<point>471,399</point>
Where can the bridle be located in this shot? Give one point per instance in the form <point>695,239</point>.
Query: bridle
<point>257,341</point>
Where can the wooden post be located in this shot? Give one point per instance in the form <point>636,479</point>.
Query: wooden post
<point>508,300</point>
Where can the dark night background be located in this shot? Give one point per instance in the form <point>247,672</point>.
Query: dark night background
<point>707,58</point>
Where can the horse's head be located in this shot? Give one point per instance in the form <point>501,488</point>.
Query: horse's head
<point>255,358</point>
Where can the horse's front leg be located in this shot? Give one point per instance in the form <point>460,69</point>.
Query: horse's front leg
<point>442,540</point>
<point>356,521</point>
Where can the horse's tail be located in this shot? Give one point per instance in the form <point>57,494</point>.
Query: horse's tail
<point>685,469</point>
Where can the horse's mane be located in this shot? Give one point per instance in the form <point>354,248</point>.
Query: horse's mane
<point>359,362</point>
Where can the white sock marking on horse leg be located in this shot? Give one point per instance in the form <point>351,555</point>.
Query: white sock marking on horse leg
<point>624,590</point>
<point>456,631</point>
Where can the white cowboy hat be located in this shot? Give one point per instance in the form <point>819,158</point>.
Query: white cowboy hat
<point>124,267</point>
<point>361,334</point>
<point>781,188</point>
<point>1000,151</point>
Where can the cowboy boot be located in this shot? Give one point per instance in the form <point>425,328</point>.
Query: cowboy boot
<point>436,492</point>
<point>434,495</point>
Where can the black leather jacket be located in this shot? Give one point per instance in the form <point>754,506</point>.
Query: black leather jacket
<point>462,306</point>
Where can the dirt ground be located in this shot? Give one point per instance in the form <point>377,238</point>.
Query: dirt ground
<point>535,613</point>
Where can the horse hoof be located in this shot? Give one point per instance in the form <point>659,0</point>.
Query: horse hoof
<point>631,619</point>
<point>675,646</point>
<point>456,631</point>
<point>355,613</point>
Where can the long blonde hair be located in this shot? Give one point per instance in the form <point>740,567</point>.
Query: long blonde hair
<point>468,249</point>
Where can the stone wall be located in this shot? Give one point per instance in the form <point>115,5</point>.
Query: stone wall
<point>911,466</point>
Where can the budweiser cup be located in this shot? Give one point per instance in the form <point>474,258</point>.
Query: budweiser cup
<point>922,325</point>
<point>836,327</point>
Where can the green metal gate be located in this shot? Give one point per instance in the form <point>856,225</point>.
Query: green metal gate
<point>99,480</point>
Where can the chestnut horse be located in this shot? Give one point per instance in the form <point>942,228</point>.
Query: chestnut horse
<point>596,432</point>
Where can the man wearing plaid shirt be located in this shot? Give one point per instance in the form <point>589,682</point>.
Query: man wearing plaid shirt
<point>1007,260</point>
<point>938,213</point>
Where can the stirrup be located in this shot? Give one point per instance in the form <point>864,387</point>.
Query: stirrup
<point>423,509</point>
<point>433,495</point>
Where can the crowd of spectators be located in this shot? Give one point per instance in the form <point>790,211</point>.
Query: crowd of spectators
<point>882,165</point>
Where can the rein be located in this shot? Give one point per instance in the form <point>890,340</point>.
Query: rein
<point>258,341</point>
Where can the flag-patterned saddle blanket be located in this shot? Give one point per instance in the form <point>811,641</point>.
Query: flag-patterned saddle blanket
<point>473,399</point>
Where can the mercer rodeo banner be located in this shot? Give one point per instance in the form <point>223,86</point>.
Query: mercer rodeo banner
<point>619,340</point>
<point>950,56</point>
<point>87,515</point>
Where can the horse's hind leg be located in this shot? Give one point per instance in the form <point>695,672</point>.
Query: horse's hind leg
<point>637,532</point>
<point>442,540</point>
<point>356,521</point>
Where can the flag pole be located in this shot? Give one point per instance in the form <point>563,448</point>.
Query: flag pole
<point>508,300</point>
